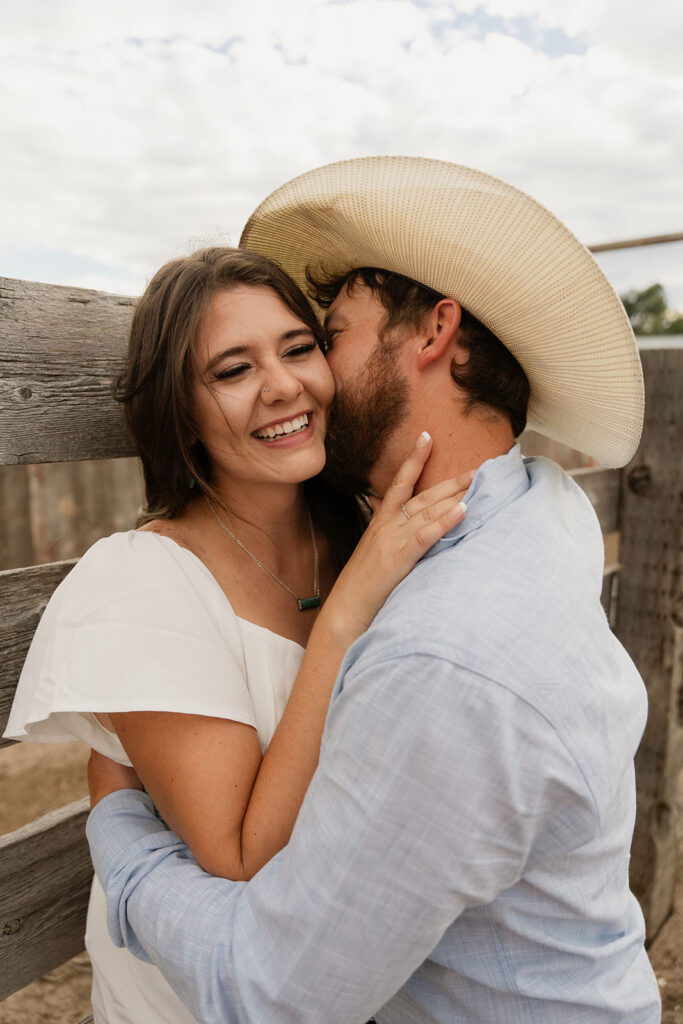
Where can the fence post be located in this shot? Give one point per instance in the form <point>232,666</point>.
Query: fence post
<point>649,623</point>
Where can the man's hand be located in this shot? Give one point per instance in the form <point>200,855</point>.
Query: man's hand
<point>106,776</point>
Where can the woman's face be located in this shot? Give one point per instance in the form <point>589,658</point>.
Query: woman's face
<point>262,390</point>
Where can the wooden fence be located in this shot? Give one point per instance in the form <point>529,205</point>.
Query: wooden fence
<point>55,511</point>
<point>60,349</point>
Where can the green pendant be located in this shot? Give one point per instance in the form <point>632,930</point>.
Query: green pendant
<point>305,603</point>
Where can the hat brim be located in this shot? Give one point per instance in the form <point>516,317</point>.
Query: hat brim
<point>502,255</point>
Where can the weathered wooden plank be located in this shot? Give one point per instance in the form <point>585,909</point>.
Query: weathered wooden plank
<point>16,547</point>
<point>73,504</point>
<point>603,489</point>
<point>45,874</point>
<point>649,622</point>
<point>610,578</point>
<point>631,243</point>
<point>612,542</point>
<point>60,351</point>
<point>53,511</point>
<point>23,596</point>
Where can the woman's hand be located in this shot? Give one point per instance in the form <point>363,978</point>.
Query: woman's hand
<point>402,529</point>
<point>106,776</point>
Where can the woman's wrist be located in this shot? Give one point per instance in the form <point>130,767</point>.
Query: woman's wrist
<point>335,629</point>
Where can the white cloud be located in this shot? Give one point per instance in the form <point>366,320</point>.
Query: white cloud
<point>132,131</point>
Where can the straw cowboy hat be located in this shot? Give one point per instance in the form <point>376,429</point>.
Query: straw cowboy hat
<point>501,254</point>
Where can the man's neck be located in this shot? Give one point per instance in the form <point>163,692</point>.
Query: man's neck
<point>453,455</point>
<point>459,444</point>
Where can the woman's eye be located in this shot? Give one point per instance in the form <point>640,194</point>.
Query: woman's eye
<point>302,350</point>
<point>232,372</point>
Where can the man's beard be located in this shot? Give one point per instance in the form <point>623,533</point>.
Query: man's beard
<point>361,419</point>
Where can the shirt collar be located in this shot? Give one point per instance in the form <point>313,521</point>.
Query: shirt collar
<point>497,482</point>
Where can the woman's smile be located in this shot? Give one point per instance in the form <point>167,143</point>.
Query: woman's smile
<point>294,429</point>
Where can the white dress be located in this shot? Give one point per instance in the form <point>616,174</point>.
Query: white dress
<point>140,624</point>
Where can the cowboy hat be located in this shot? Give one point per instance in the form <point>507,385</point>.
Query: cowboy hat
<point>501,254</point>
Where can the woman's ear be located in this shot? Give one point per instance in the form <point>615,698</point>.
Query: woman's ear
<point>441,326</point>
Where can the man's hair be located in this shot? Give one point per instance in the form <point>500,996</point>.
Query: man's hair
<point>491,377</point>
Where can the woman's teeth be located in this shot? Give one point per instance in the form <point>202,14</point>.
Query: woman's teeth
<point>283,429</point>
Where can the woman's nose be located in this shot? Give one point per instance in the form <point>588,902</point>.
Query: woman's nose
<point>280,384</point>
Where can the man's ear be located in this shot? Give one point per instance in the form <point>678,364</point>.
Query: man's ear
<point>442,325</point>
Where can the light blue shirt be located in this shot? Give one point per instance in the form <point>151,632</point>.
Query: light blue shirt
<point>462,852</point>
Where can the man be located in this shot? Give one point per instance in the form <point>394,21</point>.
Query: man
<point>462,852</point>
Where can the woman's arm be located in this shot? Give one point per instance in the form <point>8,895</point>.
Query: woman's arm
<point>232,807</point>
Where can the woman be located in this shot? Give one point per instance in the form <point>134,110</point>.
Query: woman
<point>178,648</point>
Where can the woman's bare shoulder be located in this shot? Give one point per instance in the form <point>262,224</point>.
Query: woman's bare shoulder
<point>179,530</point>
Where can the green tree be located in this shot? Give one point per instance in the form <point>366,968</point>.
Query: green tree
<point>649,314</point>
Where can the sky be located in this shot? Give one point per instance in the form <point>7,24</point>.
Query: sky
<point>137,130</point>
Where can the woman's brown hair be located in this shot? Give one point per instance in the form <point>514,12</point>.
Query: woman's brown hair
<point>156,384</point>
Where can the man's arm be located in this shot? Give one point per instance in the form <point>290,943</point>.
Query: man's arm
<point>426,800</point>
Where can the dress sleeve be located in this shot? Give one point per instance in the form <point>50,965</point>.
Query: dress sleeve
<point>138,625</point>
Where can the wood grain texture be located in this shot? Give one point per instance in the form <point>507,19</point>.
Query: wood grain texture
<point>60,352</point>
<point>45,875</point>
<point>16,547</point>
<point>53,511</point>
<point>73,504</point>
<point>649,623</point>
<point>603,489</point>
<point>23,596</point>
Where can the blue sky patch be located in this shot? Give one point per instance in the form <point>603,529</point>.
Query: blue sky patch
<point>552,41</point>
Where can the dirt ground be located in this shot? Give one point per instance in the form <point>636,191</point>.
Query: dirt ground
<point>35,779</point>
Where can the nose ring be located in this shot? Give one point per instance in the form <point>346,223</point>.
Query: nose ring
<point>265,390</point>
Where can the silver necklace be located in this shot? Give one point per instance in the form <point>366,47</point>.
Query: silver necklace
<point>303,603</point>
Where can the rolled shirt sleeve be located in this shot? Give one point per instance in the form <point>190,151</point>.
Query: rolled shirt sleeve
<point>429,798</point>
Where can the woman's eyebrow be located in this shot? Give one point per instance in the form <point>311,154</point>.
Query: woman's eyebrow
<point>297,332</point>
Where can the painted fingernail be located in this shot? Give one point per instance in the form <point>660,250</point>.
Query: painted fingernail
<point>423,439</point>
<point>458,510</point>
